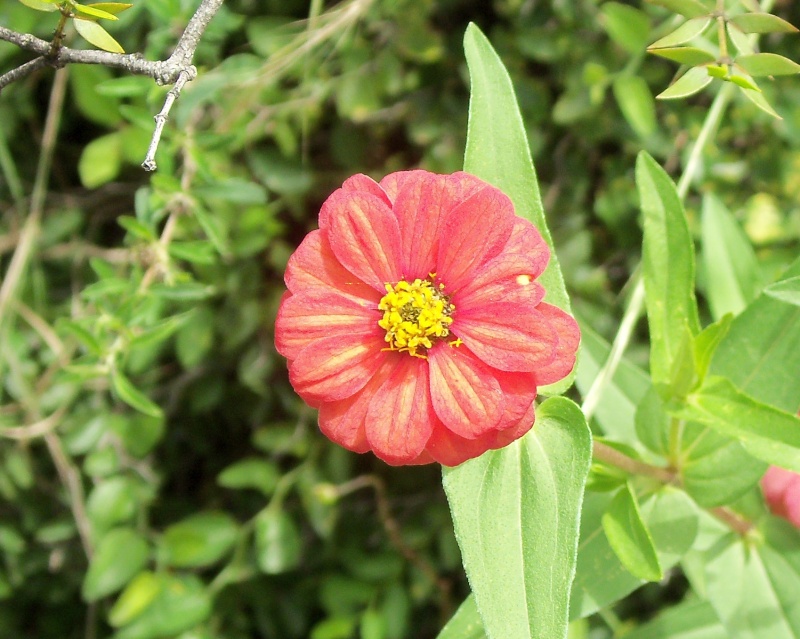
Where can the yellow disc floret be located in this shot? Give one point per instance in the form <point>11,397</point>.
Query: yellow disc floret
<point>414,314</point>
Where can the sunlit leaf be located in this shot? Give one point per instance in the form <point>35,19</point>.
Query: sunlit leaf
<point>497,151</point>
<point>685,55</point>
<point>694,80</point>
<point>93,11</point>
<point>629,537</point>
<point>685,33</point>
<point>787,290</point>
<point>761,23</point>
<point>97,35</point>
<point>40,5</point>
<point>760,64</point>
<point>465,624</point>
<point>516,514</point>
<point>757,98</point>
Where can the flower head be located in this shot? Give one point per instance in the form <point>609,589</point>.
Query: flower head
<point>782,491</point>
<point>413,320</point>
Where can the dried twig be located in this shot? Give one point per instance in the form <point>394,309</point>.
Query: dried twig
<point>176,70</point>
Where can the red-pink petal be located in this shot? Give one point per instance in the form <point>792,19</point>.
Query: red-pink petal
<point>450,449</point>
<point>519,394</point>
<point>509,337</point>
<point>569,337</point>
<point>514,289</point>
<point>393,182</point>
<point>314,268</point>
<point>400,417</point>
<point>365,184</point>
<point>473,232</point>
<point>304,318</point>
<point>465,394</point>
<point>365,237</point>
<point>420,205</point>
<point>344,421</point>
<point>337,367</point>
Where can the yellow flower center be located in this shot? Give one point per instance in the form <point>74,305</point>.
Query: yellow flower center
<point>415,314</point>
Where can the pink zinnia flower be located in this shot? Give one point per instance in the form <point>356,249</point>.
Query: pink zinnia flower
<point>782,491</point>
<point>413,321</point>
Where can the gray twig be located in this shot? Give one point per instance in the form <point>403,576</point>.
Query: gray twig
<point>176,70</point>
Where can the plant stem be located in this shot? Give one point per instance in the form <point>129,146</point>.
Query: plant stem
<point>612,456</point>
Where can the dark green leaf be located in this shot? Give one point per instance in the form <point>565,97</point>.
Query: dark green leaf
<point>199,540</point>
<point>255,473</point>
<point>629,537</point>
<point>520,573</point>
<point>132,396</point>
<point>278,543</point>
<point>120,554</point>
<point>761,23</point>
<point>627,26</point>
<point>497,151</point>
<point>179,604</point>
<point>636,103</point>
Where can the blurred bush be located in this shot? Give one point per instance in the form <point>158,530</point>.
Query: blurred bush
<point>158,477</point>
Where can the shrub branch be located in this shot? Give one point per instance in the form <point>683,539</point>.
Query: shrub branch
<point>176,70</point>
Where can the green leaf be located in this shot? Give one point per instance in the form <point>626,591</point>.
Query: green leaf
<point>111,502</point>
<point>768,433</point>
<point>136,228</point>
<point>652,423</point>
<point>137,596</point>
<point>688,8</point>
<point>601,579</point>
<point>254,472</point>
<point>716,469</point>
<point>761,23</point>
<point>199,540</point>
<point>100,161</point>
<point>787,290</point>
<point>757,98</point>
<point>694,80</point>
<point>120,554</point>
<point>706,343</point>
<point>97,35</point>
<point>213,228</point>
<point>497,151</point>
<point>93,11</point>
<point>761,64</point>
<point>629,537</point>
<point>132,396</point>
<point>159,332</point>
<point>688,31</point>
<point>740,40</point>
<point>685,55</point>
<point>183,291</point>
<point>111,7</point>
<point>688,620</point>
<point>465,624</point>
<point>627,26</point>
<point>731,268</point>
<point>40,5</point>
<point>753,586</point>
<point>180,603</point>
<point>616,410</point>
<point>278,543</point>
<point>516,513</point>
<point>636,103</point>
<point>668,267</point>
<point>762,350</point>
<point>194,251</point>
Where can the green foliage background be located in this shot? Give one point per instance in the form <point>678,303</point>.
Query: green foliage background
<point>143,324</point>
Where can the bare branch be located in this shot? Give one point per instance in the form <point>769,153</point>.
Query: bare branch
<point>177,69</point>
